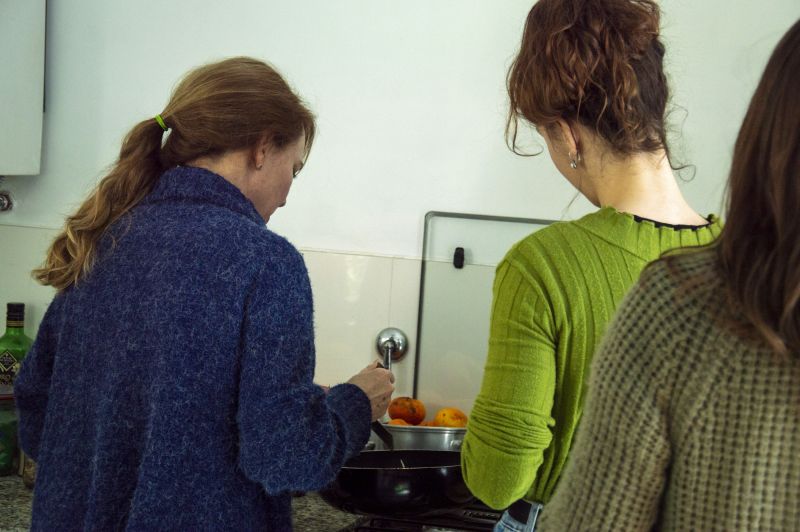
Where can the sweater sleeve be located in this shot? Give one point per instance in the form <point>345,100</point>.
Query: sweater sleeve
<point>292,435</point>
<point>617,466</point>
<point>510,423</point>
<point>32,384</point>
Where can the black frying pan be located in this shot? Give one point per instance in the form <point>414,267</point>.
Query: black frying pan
<point>407,482</point>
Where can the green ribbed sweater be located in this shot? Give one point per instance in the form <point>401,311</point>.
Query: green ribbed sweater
<point>554,294</point>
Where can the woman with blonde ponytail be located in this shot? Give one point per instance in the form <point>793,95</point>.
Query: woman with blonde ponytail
<point>170,384</point>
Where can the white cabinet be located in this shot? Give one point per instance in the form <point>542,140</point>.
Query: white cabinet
<point>22,30</point>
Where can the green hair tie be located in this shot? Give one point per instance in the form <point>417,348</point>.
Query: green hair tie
<point>161,122</point>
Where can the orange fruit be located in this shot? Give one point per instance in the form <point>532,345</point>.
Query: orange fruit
<point>427,424</point>
<point>397,421</point>
<point>450,417</point>
<point>408,409</point>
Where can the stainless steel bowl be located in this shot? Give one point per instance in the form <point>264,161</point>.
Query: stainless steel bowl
<point>428,438</point>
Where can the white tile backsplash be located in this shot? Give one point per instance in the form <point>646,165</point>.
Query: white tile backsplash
<point>355,297</point>
<point>403,309</point>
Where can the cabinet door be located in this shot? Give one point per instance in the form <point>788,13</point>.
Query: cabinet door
<point>21,85</point>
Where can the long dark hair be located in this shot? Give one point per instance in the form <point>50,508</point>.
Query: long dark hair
<point>228,105</point>
<point>759,249</point>
<point>594,62</point>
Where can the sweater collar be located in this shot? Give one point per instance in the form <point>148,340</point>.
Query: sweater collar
<point>623,230</point>
<point>189,183</point>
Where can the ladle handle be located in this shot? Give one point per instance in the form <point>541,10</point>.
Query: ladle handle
<point>388,347</point>
<point>392,345</point>
<point>378,428</point>
<point>385,436</point>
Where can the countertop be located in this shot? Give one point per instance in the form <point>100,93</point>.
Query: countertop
<point>16,500</point>
<point>310,512</point>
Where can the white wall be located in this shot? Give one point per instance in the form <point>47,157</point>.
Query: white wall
<point>411,104</point>
<point>410,99</point>
<point>21,250</point>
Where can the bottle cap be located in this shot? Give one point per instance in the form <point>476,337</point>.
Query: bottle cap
<point>15,312</point>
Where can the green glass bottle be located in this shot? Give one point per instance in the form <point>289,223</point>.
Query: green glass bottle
<point>14,345</point>
<point>8,436</point>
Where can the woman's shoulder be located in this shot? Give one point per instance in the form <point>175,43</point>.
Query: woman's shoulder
<point>675,303</point>
<point>562,245</point>
<point>549,238</point>
<point>679,267</point>
<point>683,283</point>
<point>230,238</point>
<point>602,224</point>
<point>530,254</point>
<point>642,237</point>
<point>276,250</point>
<point>550,260</point>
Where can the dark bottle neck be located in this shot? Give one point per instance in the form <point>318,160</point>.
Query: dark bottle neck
<point>15,328</point>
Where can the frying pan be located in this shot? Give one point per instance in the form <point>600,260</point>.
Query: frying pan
<point>399,483</point>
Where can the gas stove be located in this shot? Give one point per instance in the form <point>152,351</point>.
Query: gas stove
<point>475,518</point>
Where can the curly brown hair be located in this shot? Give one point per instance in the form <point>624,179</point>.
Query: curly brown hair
<point>598,63</point>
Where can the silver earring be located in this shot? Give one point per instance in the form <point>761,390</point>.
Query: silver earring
<point>573,161</point>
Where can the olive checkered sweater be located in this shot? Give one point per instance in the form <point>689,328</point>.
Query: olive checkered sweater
<point>686,426</point>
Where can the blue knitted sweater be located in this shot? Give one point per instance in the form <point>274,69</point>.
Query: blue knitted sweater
<point>171,388</point>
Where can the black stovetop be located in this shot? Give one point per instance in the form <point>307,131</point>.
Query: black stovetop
<point>476,518</point>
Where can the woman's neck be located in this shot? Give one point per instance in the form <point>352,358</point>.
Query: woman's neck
<point>643,184</point>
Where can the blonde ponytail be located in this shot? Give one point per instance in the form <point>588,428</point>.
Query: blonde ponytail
<point>133,176</point>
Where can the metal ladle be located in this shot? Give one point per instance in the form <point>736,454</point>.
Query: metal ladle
<point>392,344</point>
<point>385,436</point>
